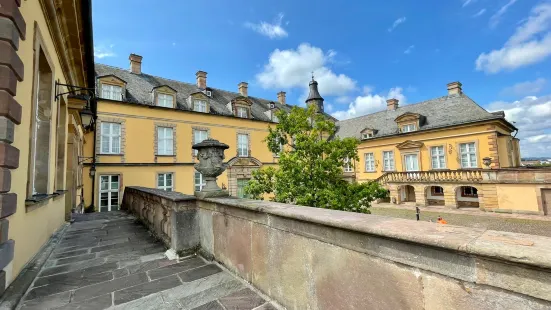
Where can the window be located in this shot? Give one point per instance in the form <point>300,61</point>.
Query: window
<point>243,145</point>
<point>437,191</point>
<point>388,161</point>
<point>348,165</point>
<point>468,155</point>
<point>164,182</point>
<point>110,138</point>
<point>241,183</point>
<point>367,135</point>
<point>112,92</point>
<point>165,100</point>
<point>41,125</point>
<point>165,141</point>
<point>200,106</point>
<point>369,162</point>
<point>242,112</point>
<point>438,157</point>
<point>408,128</point>
<point>109,193</point>
<point>198,137</point>
<point>469,191</point>
<point>199,181</point>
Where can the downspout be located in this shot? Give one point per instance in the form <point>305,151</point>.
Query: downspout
<point>91,81</point>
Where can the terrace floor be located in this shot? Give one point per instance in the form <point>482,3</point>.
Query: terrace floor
<point>108,261</point>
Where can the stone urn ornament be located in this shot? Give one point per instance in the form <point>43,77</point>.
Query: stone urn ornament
<point>487,161</point>
<point>210,153</point>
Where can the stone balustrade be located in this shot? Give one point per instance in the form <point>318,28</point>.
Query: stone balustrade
<point>170,216</point>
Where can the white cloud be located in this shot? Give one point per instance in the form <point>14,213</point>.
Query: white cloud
<point>409,49</point>
<point>525,88</point>
<point>293,68</point>
<point>531,43</point>
<point>532,116</point>
<point>396,23</point>
<point>271,30</point>
<point>496,18</point>
<point>370,103</point>
<point>467,2</point>
<point>101,51</point>
<point>480,13</point>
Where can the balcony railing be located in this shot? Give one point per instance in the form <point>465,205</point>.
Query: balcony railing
<point>454,176</point>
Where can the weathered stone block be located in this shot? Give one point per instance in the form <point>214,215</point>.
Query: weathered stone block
<point>6,253</point>
<point>232,243</point>
<point>205,227</point>
<point>185,230</point>
<point>344,277</point>
<point>445,293</point>
<point>529,281</point>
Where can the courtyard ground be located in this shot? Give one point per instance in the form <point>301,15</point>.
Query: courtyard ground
<point>518,223</point>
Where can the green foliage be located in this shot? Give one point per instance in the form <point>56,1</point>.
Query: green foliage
<point>311,161</point>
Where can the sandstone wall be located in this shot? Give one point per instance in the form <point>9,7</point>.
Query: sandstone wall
<point>307,258</point>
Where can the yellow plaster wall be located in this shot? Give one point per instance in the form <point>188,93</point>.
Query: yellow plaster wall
<point>31,230</point>
<point>447,137</point>
<point>503,152</point>
<point>522,197</point>
<point>139,147</point>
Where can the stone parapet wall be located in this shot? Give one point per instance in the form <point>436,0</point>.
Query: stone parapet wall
<point>309,258</point>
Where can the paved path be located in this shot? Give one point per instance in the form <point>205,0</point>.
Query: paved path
<point>108,261</point>
<point>518,223</point>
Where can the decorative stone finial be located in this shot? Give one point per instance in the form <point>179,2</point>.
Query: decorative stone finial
<point>211,164</point>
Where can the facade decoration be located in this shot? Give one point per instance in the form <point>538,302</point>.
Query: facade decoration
<point>211,165</point>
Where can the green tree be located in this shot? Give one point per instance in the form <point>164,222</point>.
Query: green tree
<point>311,160</point>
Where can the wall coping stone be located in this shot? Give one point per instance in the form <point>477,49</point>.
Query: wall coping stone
<point>512,247</point>
<point>172,196</point>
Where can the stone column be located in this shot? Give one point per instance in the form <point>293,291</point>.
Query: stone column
<point>487,197</point>
<point>185,238</point>
<point>450,197</point>
<point>420,195</point>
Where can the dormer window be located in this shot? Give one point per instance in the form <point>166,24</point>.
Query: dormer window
<point>242,112</point>
<point>165,100</point>
<point>112,92</point>
<point>367,135</point>
<point>200,106</point>
<point>208,93</point>
<point>408,128</point>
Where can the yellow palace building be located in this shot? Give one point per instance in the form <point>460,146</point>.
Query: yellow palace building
<point>146,126</point>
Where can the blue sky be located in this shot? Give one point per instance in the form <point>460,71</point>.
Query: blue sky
<point>362,52</point>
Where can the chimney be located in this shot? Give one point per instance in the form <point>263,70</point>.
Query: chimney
<point>135,63</point>
<point>201,79</point>
<point>454,88</point>
<point>281,97</point>
<point>242,87</point>
<point>392,104</point>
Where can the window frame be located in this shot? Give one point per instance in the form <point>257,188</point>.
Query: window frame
<point>372,160</point>
<point>195,141</point>
<point>165,96</point>
<point>473,194</point>
<point>367,135</point>
<point>242,108</point>
<point>433,191</point>
<point>103,88</point>
<point>164,139</point>
<point>110,137</point>
<point>410,125</point>
<point>201,180</point>
<point>392,161</point>
<point>348,166</point>
<point>247,144</point>
<point>244,196</point>
<point>165,186</point>
<point>468,153</point>
<point>202,101</point>
<point>443,155</point>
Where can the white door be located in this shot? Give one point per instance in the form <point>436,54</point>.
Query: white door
<point>109,193</point>
<point>412,163</point>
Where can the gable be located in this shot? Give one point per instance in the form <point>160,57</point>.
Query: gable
<point>408,116</point>
<point>408,144</point>
<point>111,79</point>
<point>164,89</point>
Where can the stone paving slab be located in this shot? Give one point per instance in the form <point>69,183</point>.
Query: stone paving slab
<point>108,261</point>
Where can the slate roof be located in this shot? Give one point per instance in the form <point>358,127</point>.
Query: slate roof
<point>139,86</point>
<point>439,112</point>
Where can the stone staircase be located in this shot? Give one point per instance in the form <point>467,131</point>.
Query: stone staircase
<point>109,261</point>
